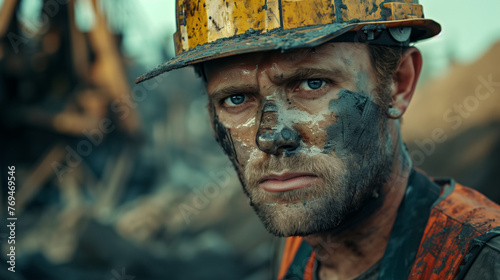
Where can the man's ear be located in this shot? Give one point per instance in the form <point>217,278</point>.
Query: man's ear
<point>405,82</point>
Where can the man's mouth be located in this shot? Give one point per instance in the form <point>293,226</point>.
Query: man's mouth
<point>287,181</point>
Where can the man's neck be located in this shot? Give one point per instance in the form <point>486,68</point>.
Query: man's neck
<point>348,254</point>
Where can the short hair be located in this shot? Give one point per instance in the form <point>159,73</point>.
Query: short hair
<point>385,60</point>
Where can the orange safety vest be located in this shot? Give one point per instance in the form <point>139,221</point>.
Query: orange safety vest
<point>438,243</point>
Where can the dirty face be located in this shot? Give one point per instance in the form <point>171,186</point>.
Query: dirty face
<point>305,133</point>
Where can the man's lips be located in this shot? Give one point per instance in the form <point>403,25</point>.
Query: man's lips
<point>287,181</point>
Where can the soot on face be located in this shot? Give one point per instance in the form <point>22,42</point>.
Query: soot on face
<point>225,139</point>
<point>353,131</point>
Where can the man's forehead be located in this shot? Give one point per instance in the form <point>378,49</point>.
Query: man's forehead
<point>340,51</point>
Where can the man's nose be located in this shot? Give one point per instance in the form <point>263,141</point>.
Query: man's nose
<point>274,137</point>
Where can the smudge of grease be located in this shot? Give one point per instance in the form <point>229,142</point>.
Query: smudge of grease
<point>353,132</point>
<point>224,139</point>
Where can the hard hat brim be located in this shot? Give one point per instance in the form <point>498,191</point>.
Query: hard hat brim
<point>279,39</point>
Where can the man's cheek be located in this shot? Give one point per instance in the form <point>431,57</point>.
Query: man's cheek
<point>236,144</point>
<point>313,137</point>
<point>225,140</point>
<point>356,129</point>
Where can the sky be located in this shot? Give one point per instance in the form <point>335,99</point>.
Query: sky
<point>469,28</point>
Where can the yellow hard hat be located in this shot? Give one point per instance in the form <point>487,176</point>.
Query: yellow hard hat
<point>210,29</point>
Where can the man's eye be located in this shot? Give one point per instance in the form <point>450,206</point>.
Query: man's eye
<point>312,84</point>
<point>235,100</point>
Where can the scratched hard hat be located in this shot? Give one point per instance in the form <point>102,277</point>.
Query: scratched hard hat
<point>210,29</point>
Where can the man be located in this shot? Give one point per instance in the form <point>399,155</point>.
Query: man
<point>306,98</point>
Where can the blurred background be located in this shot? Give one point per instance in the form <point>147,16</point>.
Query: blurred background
<point>122,181</point>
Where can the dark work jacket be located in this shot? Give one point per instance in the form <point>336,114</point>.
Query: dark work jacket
<point>442,231</point>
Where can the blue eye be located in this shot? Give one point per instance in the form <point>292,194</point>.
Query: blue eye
<point>235,100</point>
<point>312,84</point>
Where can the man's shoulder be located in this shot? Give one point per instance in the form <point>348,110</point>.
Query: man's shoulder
<point>464,205</point>
<point>479,217</point>
<point>461,222</point>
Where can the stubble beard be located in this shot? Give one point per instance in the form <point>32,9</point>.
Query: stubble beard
<point>344,187</point>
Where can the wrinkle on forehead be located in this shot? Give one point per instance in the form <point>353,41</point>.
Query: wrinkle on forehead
<point>344,54</point>
<point>305,72</point>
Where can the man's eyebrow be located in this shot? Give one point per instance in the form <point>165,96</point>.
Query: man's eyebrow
<point>294,75</point>
<point>308,73</point>
<point>224,92</point>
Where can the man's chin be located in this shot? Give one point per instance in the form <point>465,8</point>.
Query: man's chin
<point>297,218</point>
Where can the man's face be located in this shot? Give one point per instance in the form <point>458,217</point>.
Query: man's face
<point>304,132</point>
